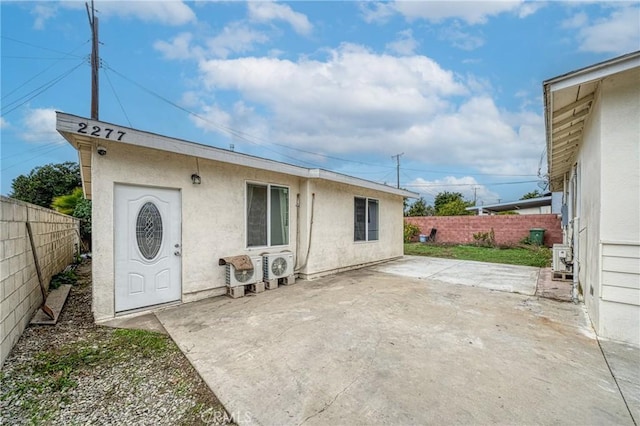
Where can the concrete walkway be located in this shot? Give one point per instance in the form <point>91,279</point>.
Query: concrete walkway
<point>372,347</point>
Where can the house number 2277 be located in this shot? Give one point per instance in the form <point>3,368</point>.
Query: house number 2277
<point>98,131</point>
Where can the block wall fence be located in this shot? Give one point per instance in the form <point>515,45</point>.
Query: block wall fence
<point>508,229</point>
<point>56,240</point>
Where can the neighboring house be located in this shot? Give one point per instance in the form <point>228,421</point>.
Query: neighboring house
<point>166,210</point>
<point>541,205</point>
<point>593,145</point>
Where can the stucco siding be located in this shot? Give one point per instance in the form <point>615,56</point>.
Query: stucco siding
<point>213,215</point>
<point>620,223</point>
<point>214,219</point>
<point>333,247</point>
<point>621,157</point>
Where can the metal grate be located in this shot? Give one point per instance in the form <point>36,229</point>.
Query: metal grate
<point>149,230</point>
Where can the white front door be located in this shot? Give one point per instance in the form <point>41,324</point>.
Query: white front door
<point>148,246</point>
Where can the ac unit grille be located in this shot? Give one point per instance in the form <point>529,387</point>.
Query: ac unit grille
<point>278,265</point>
<point>234,277</point>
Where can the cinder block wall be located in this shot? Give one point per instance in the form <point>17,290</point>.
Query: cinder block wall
<point>508,229</point>
<point>56,240</point>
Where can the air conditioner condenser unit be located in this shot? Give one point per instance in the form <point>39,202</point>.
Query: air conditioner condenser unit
<point>562,258</point>
<point>237,279</point>
<point>278,267</point>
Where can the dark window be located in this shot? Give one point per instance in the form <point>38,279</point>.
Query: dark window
<point>366,219</point>
<point>267,215</point>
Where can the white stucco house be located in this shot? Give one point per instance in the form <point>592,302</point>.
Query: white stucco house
<point>166,210</point>
<point>593,144</point>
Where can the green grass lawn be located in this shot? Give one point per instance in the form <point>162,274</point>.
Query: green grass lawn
<point>521,255</point>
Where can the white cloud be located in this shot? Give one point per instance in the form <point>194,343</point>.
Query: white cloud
<point>357,102</point>
<point>178,48</point>
<point>165,12</point>
<point>578,20</point>
<point>459,38</point>
<point>213,118</point>
<point>617,33</point>
<point>4,124</point>
<point>376,11</point>
<point>39,126</point>
<point>235,38</point>
<point>42,13</point>
<point>471,12</point>
<point>468,186</point>
<point>267,11</point>
<point>405,44</point>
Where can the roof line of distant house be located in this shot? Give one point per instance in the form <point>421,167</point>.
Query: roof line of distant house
<point>515,205</point>
<point>68,126</point>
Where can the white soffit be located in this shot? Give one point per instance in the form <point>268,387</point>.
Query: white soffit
<point>568,102</point>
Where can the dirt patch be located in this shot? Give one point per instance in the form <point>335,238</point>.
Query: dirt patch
<point>77,372</point>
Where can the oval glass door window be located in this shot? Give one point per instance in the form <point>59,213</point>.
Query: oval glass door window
<point>149,230</point>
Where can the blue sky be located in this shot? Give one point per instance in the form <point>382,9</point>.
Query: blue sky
<point>454,86</point>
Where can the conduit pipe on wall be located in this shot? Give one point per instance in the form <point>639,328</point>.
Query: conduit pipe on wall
<point>306,258</point>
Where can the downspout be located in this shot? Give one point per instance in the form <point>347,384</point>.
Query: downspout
<point>575,233</point>
<point>306,258</point>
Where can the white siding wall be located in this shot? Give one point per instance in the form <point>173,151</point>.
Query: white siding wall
<point>588,211</point>
<point>620,220</point>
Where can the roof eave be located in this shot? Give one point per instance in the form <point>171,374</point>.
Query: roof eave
<point>68,125</point>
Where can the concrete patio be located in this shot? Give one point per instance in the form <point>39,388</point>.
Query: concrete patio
<point>402,343</point>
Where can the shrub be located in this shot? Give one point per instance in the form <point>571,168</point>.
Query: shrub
<point>410,231</point>
<point>487,239</point>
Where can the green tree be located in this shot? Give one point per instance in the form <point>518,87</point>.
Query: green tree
<point>532,194</point>
<point>44,183</point>
<point>420,208</point>
<point>456,207</point>
<point>76,205</point>
<point>66,204</point>
<point>451,204</point>
<point>83,212</point>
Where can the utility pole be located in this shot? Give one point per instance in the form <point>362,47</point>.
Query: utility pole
<point>95,61</point>
<point>475,198</point>
<point>397,157</point>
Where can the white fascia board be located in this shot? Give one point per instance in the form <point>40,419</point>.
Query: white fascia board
<point>68,125</point>
<point>594,72</point>
<point>350,180</point>
<point>73,127</point>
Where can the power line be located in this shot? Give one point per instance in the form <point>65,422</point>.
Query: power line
<point>429,185</point>
<point>39,58</point>
<point>39,90</point>
<point>43,71</point>
<point>117,98</point>
<point>236,133</point>
<point>39,148</point>
<point>38,47</point>
<point>34,157</point>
